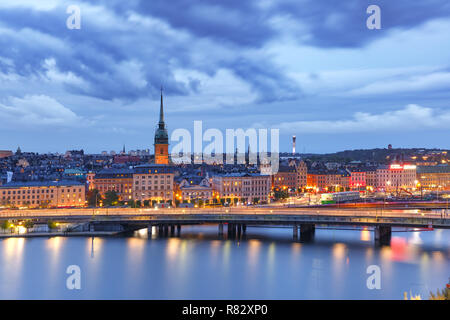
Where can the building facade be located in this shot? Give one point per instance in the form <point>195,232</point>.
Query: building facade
<point>302,174</point>
<point>395,177</point>
<point>371,179</point>
<point>192,190</point>
<point>246,187</point>
<point>316,180</point>
<point>153,182</point>
<point>285,178</point>
<point>434,177</point>
<point>357,178</point>
<point>43,194</point>
<point>118,180</point>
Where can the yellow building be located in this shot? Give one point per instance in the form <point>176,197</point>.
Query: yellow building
<point>43,194</point>
<point>246,187</point>
<point>434,177</point>
<point>153,182</point>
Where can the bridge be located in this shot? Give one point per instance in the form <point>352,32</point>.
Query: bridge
<point>302,220</point>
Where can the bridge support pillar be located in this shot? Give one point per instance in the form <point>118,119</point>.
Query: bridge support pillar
<point>160,230</point>
<point>172,229</point>
<point>178,229</point>
<point>244,228</point>
<point>239,230</point>
<point>383,235</point>
<point>295,232</point>
<point>91,227</point>
<point>220,229</point>
<point>166,230</point>
<point>231,230</point>
<point>307,232</point>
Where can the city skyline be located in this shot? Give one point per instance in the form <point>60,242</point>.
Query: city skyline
<point>338,85</point>
<point>212,158</point>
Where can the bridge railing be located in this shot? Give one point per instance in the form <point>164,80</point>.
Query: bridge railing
<point>86,212</point>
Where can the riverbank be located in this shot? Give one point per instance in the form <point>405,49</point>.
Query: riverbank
<point>59,234</point>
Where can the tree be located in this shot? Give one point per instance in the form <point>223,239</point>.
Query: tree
<point>28,224</point>
<point>281,194</point>
<point>443,294</point>
<point>111,198</point>
<point>146,203</point>
<point>94,197</point>
<point>51,224</point>
<point>5,225</point>
<point>177,202</point>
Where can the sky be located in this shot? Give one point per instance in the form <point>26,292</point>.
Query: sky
<point>309,68</point>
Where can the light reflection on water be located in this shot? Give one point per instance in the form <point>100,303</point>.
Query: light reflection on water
<point>267,264</point>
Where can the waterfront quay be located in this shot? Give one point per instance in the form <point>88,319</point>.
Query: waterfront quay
<point>302,220</point>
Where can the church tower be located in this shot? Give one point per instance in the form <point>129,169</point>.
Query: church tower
<point>161,138</point>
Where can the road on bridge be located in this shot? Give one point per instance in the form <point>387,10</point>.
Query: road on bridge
<point>89,212</point>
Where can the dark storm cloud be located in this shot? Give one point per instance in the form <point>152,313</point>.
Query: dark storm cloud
<point>115,60</point>
<point>330,23</point>
<point>272,86</point>
<point>95,52</point>
<point>242,23</point>
<point>343,23</point>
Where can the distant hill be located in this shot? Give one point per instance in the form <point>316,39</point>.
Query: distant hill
<point>379,155</point>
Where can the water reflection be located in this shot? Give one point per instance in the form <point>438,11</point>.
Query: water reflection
<point>267,265</point>
<point>415,238</point>
<point>365,235</point>
<point>254,247</point>
<point>12,259</point>
<point>135,250</point>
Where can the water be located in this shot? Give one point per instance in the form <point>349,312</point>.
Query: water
<point>199,265</point>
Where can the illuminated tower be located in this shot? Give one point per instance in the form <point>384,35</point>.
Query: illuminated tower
<point>161,138</point>
<point>293,144</point>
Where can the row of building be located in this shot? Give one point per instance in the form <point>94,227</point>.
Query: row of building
<point>152,182</point>
<point>298,177</point>
<point>163,183</point>
<point>171,184</point>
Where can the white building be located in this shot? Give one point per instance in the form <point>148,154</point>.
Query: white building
<point>396,176</point>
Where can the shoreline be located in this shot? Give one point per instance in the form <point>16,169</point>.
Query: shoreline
<point>60,234</point>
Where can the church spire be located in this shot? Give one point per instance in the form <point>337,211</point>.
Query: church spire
<point>161,111</point>
<point>161,138</point>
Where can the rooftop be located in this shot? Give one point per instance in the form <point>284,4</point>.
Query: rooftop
<point>20,184</point>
